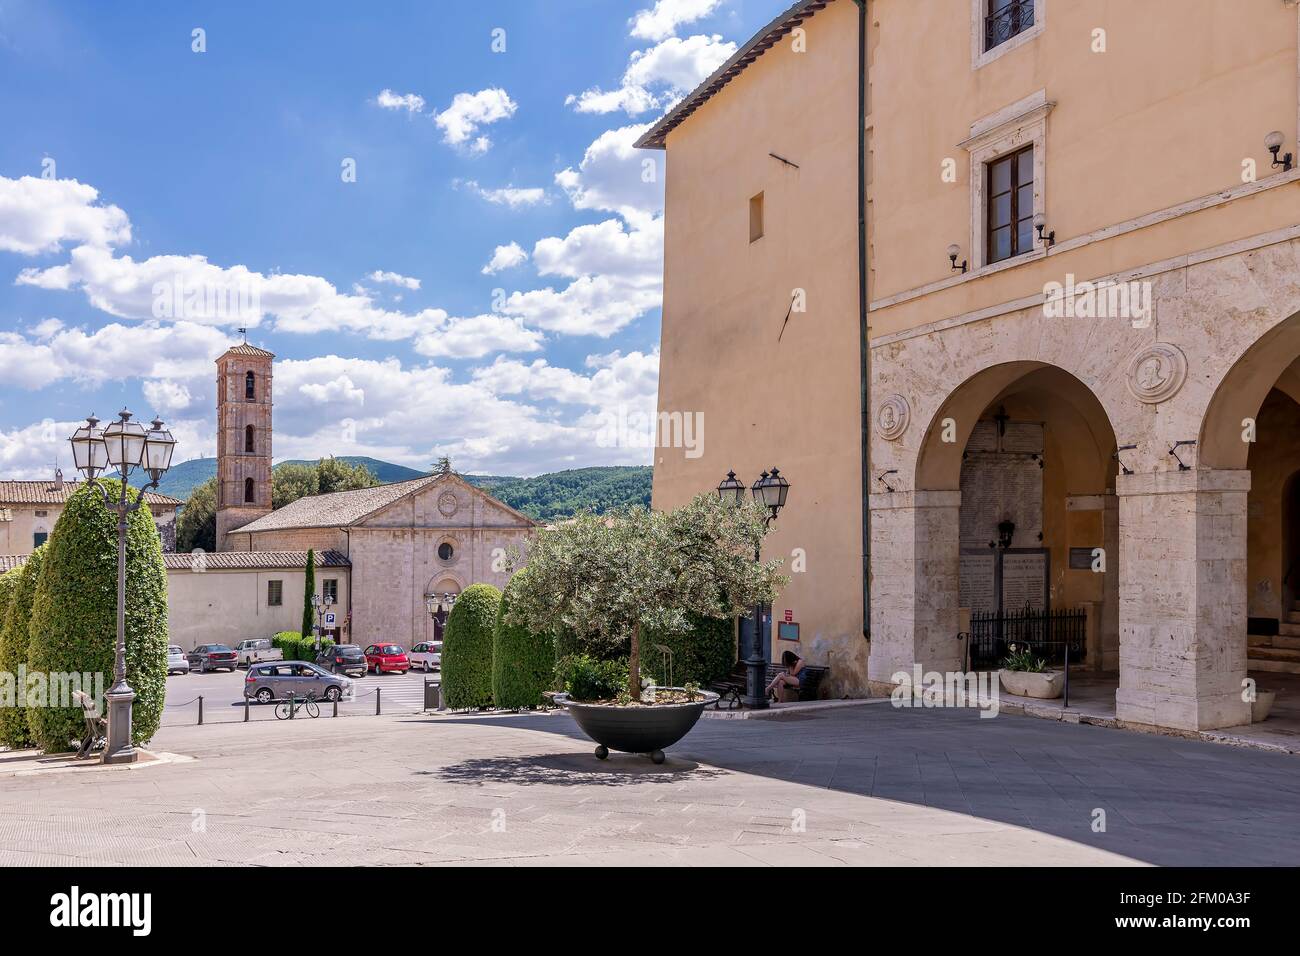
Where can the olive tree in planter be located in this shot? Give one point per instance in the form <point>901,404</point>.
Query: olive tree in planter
<point>611,579</point>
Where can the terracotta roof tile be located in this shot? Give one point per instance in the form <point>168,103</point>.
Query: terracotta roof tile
<point>253,560</point>
<point>336,510</point>
<point>45,493</point>
<point>246,349</point>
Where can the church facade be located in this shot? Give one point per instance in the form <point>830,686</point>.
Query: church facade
<point>390,557</point>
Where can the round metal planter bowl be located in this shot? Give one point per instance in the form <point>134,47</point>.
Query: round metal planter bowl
<point>637,730</point>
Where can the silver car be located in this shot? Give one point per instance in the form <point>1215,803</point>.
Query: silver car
<point>177,662</point>
<point>284,679</point>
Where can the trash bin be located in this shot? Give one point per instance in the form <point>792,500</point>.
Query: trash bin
<point>432,694</point>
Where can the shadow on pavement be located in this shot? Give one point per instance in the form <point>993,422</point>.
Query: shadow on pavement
<point>572,770</point>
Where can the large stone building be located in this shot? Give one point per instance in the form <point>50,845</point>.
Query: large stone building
<point>1010,292</point>
<point>388,555</point>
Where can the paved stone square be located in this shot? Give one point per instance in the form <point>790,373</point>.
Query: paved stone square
<point>869,784</point>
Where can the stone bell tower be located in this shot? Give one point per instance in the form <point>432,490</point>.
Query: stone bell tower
<point>243,438</point>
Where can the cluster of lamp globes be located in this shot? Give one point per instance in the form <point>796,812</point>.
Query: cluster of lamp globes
<point>123,445</point>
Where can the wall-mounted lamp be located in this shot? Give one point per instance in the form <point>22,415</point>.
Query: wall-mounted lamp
<point>953,252</point>
<point>1274,141</point>
<point>1040,223</point>
<point>1006,531</point>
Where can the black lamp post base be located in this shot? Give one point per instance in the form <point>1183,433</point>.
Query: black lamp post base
<point>756,684</point>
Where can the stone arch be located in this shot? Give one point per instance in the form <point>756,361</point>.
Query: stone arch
<point>1272,361</point>
<point>443,582</point>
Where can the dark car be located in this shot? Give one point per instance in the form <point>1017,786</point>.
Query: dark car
<point>212,657</point>
<point>343,659</point>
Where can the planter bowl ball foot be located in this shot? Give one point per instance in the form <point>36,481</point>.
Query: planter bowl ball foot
<point>1045,686</point>
<point>637,730</point>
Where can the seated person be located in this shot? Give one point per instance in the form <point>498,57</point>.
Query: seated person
<point>785,686</point>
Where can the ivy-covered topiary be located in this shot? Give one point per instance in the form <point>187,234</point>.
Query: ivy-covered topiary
<point>14,623</point>
<point>74,617</point>
<point>467,648</point>
<point>523,662</point>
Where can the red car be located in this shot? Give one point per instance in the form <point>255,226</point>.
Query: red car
<point>387,657</point>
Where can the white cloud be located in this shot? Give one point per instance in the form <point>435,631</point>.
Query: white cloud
<point>478,335</point>
<point>505,257</point>
<point>393,278</point>
<point>411,102</point>
<point>511,196</point>
<point>616,176</point>
<point>592,305</point>
<point>40,215</point>
<point>469,111</point>
<point>658,77</point>
<point>663,19</point>
<point>604,248</point>
<point>618,379</point>
<point>166,396</point>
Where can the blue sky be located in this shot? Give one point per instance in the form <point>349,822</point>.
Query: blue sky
<point>486,285</point>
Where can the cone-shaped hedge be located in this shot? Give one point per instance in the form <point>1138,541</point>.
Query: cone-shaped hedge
<point>467,648</point>
<point>523,663</point>
<point>14,624</point>
<point>74,617</point>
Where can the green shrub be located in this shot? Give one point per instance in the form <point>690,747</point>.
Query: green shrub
<point>13,718</point>
<point>523,662</point>
<point>586,678</point>
<point>74,615</point>
<point>294,647</point>
<point>467,648</point>
<point>705,653</point>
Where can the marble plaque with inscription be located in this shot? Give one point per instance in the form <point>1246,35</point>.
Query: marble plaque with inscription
<point>979,584</point>
<point>999,486</point>
<point>1024,580</point>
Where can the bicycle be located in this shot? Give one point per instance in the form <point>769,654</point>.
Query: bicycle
<point>287,709</point>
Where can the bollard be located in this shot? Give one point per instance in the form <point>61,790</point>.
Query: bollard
<point>245,708</point>
<point>200,710</point>
<point>1066,703</point>
<point>336,708</point>
<point>378,691</point>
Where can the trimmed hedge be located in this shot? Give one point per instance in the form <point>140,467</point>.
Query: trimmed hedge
<point>13,721</point>
<point>523,663</point>
<point>15,624</point>
<point>467,648</point>
<point>705,653</point>
<point>295,647</point>
<point>74,617</point>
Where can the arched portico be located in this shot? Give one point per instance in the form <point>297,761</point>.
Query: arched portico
<point>1023,444</point>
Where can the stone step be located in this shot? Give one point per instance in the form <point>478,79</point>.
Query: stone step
<point>1293,617</point>
<point>1273,654</point>
<point>1256,640</point>
<point>1273,667</point>
<point>1289,630</point>
<point>1287,641</point>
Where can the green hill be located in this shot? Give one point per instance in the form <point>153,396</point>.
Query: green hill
<point>555,495</point>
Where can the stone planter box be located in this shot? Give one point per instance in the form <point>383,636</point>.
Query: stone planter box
<point>1261,705</point>
<point>1045,686</point>
<point>638,730</point>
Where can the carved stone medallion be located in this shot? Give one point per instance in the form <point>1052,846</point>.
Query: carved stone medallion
<point>447,504</point>
<point>892,417</point>
<point>1157,373</point>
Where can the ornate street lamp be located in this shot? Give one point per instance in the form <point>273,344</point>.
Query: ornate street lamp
<point>770,491</point>
<point>124,445</point>
<point>731,491</point>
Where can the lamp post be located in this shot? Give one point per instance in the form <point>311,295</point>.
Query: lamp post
<point>321,606</point>
<point>770,491</point>
<point>125,445</point>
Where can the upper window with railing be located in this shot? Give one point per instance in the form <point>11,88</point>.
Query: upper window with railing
<point>1005,19</point>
